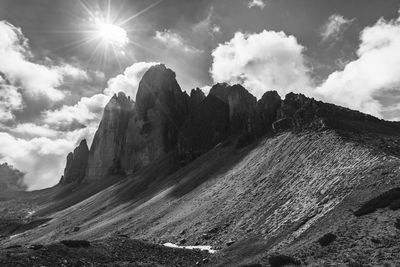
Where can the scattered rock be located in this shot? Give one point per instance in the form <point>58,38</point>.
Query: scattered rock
<point>382,201</point>
<point>76,243</point>
<point>327,239</point>
<point>206,236</point>
<point>375,240</point>
<point>35,246</point>
<point>13,246</point>
<point>230,243</point>
<point>397,224</point>
<point>279,260</point>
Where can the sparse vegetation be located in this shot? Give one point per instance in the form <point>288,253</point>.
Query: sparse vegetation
<point>382,201</point>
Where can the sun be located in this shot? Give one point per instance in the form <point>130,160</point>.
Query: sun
<point>110,33</point>
<point>107,34</point>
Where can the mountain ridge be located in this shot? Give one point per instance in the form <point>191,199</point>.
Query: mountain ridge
<point>164,119</point>
<point>261,182</point>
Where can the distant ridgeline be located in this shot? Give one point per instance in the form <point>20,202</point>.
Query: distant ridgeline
<point>11,179</point>
<point>165,121</point>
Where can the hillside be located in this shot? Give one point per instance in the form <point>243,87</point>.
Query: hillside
<point>259,181</point>
<point>285,191</point>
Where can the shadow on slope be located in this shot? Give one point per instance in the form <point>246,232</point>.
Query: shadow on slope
<point>67,196</point>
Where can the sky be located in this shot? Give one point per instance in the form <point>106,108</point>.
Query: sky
<point>61,61</point>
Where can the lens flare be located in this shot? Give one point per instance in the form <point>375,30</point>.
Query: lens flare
<point>111,34</point>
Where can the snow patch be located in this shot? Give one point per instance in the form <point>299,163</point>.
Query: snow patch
<point>205,248</point>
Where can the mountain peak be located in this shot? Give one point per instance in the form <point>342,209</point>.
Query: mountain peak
<point>164,119</point>
<point>76,165</point>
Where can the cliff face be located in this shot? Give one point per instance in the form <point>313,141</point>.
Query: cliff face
<point>77,161</point>
<point>160,110</point>
<point>241,105</point>
<point>132,135</point>
<point>109,141</point>
<point>166,121</point>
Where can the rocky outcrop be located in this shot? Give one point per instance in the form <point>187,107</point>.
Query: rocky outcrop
<point>196,96</point>
<point>160,110</point>
<point>166,121</point>
<point>205,127</point>
<point>241,105</point>
<point>132,135</point>
<point>266,112</point>
<point>299,112</point>
<point>11,179</point>
<point>110,138</point>
<point>76,165</point>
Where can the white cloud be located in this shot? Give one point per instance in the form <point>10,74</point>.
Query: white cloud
<point>334,27</point>
<point>41,158</point>
<point>262,61</point>
<point>256,3</point>
<point>10,101</point>
<point>33,79</point>
<point>174,40</point>
<point>86,112</point>
<point>28,146</point>
<point>128,82</point>
<point>376,70</point>
<point>33,130</point>
<point>206,89</point>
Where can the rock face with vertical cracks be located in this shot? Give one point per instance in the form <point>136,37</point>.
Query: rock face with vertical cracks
<point>165,121</point>
<point>110,138</point>
<point>133,134</point>
<point>241,105</point>
<point>75,168</point>
<point>160,110</point>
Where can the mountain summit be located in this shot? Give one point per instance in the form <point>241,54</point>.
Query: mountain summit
<point>166,121</point>
<point>263,182</point>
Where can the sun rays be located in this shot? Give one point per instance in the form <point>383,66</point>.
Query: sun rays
<point>106,33</point>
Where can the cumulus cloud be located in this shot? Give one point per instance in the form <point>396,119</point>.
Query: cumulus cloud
<point>256,3</point>
<point>35,79</point>
<point>374,72</point>
<point>334,27</point>
<point>174,40</point>
<point>41,158</point>
<point>262,61</point>
<point>25,81</point>
<point>87,111</point>
<point>40,148</point>
<point>128,81</point>
<point>10,101</point>
<point>33,130</point>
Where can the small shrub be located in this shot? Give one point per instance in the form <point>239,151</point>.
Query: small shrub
<point>76,243</point>
<point>279,260</point>
<point>379,202</point>
<point>327,239</point>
